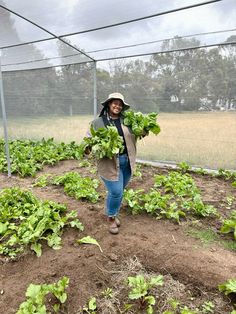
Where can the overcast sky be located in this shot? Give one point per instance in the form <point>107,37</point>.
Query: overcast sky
<point>68,16</point>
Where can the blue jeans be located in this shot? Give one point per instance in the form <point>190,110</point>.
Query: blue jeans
<point>115,189</point>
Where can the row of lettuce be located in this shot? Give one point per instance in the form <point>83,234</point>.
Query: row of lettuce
<point>140,298</point>
<point>174,196</point>
<point>27,156</point>
<point>26,220</point>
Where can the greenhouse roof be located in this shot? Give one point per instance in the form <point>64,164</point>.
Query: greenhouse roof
<point>38,34</point>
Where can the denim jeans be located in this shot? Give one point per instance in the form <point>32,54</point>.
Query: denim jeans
<point>115,189</point>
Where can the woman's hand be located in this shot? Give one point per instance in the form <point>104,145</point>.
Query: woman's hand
<point>87,150</point>
<point>144,133</point>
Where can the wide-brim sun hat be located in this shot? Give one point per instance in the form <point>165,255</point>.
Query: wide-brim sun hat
<point>116,96</point>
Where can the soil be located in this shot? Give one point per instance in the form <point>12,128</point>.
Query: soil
<point>192,271</point>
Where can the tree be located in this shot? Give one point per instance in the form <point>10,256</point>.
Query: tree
<point>178,74</point>
<point>76,84</point>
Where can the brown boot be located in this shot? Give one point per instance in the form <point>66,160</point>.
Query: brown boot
<point>113,228</point>
<point>117,220</point>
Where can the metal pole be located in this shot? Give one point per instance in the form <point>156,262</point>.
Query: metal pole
<point>4,119</point>
<point>95,89</point>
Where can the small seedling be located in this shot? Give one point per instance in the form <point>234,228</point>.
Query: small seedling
<point>91,308</point>
<point>208,307</point>
<point>42,180</point>
<point>184,166</point>
<point>230,200</point>
<point>84,163</point>
<point>137,172</point>
<point>140,289</point>
<point>108,293</point>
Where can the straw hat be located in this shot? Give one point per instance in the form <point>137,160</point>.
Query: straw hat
<point>116,96</point>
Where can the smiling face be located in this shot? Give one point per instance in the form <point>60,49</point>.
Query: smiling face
<point>115,107</point>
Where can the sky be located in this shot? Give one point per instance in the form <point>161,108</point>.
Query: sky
<point>69,16</point>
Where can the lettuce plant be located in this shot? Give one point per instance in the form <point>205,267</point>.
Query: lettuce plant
<point>140,291</point>
<point>36,297</point>
<point>140,123</point>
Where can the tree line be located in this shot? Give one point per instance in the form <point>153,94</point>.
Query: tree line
<point>186,80</point>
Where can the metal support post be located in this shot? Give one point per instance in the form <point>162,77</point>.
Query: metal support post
<point>95,89</point>
<point>4,119</point>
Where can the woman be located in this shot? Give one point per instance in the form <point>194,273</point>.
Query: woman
<point>116,172</point>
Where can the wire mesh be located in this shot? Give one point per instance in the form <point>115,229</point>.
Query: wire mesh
<point>192,89</point>
<point>107,30</point>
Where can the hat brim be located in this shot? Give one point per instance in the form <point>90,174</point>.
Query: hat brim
<point>125,105</point>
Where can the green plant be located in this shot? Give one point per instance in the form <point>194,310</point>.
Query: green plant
<point>140,290</point>
<point>85,163</point>
<point>200,171</point>
<point>42,180</point>
<point>91,308</point>
<point>104,142</point>
<point>197,206</point>
<point>108,293</point>
<point>89,240</point>
<point>183,187</point>
<point>172,196</point>
<point>172,212</point>
<point>228,286</point>
<point>141,124</point>
<point>77,186</point>
<point>186,310</point>
<point>229,200</point>
<point>26,220</point>
<point>27,156</point>
<point>176,183</point>
<point>226,174</point>
<point>184,166</point>
<point>155,202</point>
<point>127,307</point>
<point>162,205</point>
<point>229,225</point>
<point>208,307</point>
<point>36,295</point>
<point>174,303</point>
<point>137,172</point>
<point>134,199</point>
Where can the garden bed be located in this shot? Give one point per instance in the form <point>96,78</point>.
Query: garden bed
<point>193,256</point>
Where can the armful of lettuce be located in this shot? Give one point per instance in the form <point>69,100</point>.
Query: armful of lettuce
<point>141,124</point>
<point>103,142</point>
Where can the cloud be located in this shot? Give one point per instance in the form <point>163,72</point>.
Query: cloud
<point>209,18</point>
<point>70,16</point>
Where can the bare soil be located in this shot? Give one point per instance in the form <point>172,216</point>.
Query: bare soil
<point>192,271</point>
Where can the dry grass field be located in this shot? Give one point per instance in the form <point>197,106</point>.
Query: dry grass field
<point>201,139</point>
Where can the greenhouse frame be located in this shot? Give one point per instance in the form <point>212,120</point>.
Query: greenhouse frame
<point>35,36</point>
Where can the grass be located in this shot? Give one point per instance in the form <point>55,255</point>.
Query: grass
<point>206,236</point>
<point>201,139</point>
<point>209,237</point>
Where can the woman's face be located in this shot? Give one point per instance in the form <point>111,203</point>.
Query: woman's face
<point>115,107</point>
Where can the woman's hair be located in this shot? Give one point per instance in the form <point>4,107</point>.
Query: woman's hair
<point>104,110</point>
